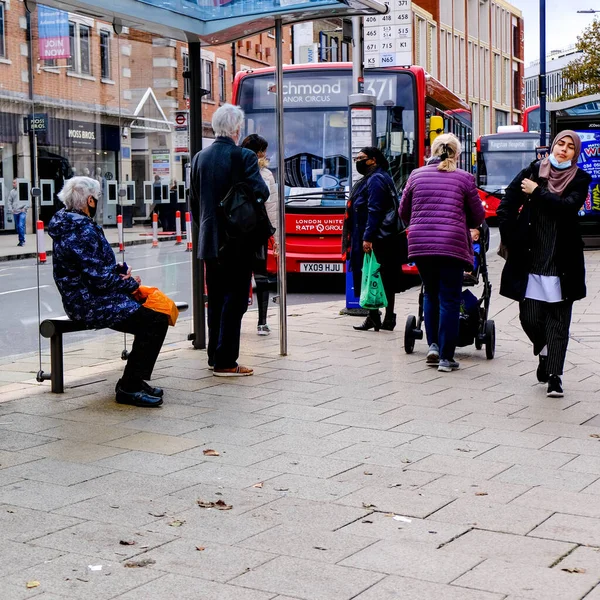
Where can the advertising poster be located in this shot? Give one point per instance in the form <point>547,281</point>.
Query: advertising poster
<point>589,161</point>
<point>161,163</point>
<point>53,33</point>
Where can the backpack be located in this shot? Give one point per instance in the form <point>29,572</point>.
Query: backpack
<point>244,216</point>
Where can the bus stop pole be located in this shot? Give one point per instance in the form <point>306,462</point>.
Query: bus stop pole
<point>358,82</point>
<point>542,86</point>
<point>198,336</point>
<point>281,271</point>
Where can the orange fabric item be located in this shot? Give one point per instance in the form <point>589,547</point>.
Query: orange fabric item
<point>158,301</point>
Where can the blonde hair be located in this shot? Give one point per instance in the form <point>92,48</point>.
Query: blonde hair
<point>449,145</point>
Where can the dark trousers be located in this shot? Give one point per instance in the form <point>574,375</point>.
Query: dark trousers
<point>150,329</point>
<point>259,268</point>
<point>442,280</point>
<point>228,286</point>
<point>547,324</point>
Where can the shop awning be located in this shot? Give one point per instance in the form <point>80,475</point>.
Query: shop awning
<point>216,21</point>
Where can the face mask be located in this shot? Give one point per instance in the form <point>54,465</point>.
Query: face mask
<point>92,209</point>
<point>362,167</point>
<point>559,165</point>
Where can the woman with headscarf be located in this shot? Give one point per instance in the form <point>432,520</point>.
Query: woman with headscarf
<point>372,224</point>
<point>545,269</point>
<point>440,203</point>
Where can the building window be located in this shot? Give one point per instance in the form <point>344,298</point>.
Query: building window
<point>322,47</point>
<point>222,83</point>
<point>185,63</point>
<point>345,52</point>
<point>2,34</point>
<point>79,42</point>
<point>207,78</point>
<point>334,50</point>
<point>105,54</point>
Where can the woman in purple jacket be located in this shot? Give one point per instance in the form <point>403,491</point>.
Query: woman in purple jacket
<point>440,203</point>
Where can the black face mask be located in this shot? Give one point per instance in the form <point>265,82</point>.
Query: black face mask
<point>92,209</point>
<point>362,167</point>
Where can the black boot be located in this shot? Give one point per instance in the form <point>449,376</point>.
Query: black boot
<point>373,321</point>
<point>389,322</point>
<point>542,370</point>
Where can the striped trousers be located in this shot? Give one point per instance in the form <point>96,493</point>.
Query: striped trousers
<point>547,324</point>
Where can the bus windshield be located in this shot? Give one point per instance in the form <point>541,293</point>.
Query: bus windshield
<point>497,169</point>
<point>316,132</point>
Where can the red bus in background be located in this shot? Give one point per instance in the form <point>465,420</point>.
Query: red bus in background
<point>500,157</point>
<point>531,119</point>
<point>317,162</point>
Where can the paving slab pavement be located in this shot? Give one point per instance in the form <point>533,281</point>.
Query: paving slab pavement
<point>353,470</point>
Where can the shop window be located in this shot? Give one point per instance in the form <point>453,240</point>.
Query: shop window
<point>185,64</point>
<point>334,50</point>
<point>79,42</point>
<point>323,47</point>
<point>2,29</point>
<point>222,84</point>
<point>105,54</point>
<point>345,51</point>
<point>207,78</point>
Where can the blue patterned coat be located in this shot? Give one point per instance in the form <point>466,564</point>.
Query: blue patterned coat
<point>85,272</point>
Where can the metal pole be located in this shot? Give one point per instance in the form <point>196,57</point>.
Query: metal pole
<point>198,336</point>
<point>542,86</point>
<point>281,275</point>
<point>358,82</point>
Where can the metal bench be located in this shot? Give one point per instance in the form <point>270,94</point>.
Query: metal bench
<point>54,329</point>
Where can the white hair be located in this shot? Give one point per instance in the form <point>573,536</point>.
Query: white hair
<point>77,190</point>
<point>228,120</point>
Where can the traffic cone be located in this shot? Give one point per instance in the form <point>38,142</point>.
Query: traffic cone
<point>41,242</point>
<point>154,230</point>
<point>178,241</point>
<point>120,230</point>
<point>188,231</point>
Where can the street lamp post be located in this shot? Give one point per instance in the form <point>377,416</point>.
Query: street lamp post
<point>542,84</point>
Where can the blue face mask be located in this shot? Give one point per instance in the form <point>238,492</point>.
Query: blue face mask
<point>559,165</point>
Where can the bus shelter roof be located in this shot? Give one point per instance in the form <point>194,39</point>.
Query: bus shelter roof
<point>582,106</point>
<point>215,21</point>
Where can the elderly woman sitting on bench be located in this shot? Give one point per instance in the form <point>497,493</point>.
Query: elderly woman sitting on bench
<point>95,289</point>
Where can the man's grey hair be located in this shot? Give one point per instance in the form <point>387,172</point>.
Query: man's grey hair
<point>228,120</point>
<point>77,190</point>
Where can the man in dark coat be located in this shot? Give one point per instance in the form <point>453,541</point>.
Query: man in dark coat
<point>228,268</point>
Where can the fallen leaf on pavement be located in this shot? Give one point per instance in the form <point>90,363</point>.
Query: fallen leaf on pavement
<point>464,449</point>
<point>368,505</point>
<point>405,460</point>
<point>210,452</point>
<point>219,505</point>
<point>136,564</point>
<point>319,548</point>
<point>157,514</point>
<point>481,493</point>
<point>573,570</point>
<point>127,543</point>
<point>367,473</point>
<point>200,548</point>
<point>595,435</point>
<point>176,523</point>
<point>258,485</point>
<point>32,584</point>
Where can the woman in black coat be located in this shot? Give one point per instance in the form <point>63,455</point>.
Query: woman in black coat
<point>372,224</point>
<point>545,270</point>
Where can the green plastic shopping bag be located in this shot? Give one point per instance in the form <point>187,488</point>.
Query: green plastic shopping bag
<point>372,294</point>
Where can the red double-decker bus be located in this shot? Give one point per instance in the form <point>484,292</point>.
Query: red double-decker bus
<point>317,162</point>
<point>532,119</point>
<point>500,157</point>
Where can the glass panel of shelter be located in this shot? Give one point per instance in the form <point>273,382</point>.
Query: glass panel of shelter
<point>103,102</point>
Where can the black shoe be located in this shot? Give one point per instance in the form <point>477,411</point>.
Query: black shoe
<point>554,387</point>
<point>389,323</point>
<point>138,399</point>
<point>542,370</point>
<point>147,388</point>
<point>369,323</point>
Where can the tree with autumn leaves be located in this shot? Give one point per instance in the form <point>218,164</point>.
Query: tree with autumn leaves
<point>584,72</point>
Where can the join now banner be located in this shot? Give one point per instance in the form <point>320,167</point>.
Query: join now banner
<point>53,33</point>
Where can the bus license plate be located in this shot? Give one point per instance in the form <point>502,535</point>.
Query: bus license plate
<point>321,268</point>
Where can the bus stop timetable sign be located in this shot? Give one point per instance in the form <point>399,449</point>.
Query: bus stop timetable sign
<point>388,38</point>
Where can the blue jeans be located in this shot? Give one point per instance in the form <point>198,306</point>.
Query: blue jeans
<point>20,220</point>
<point>442,279</point>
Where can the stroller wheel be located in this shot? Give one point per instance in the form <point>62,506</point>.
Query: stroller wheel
<point>490,339</point>
<point>478,341</point>
<point>409,336</point>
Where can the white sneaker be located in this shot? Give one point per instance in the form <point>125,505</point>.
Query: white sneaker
<point>263,330</point>
<point>433,355</point>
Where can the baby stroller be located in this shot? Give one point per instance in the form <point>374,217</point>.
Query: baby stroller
<point>474,326</point>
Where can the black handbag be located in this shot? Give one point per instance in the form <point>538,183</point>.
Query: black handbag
<point>245,216</point>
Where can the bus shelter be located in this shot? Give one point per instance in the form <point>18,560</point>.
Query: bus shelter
<point>583,116</point>
<point>200,23</point>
